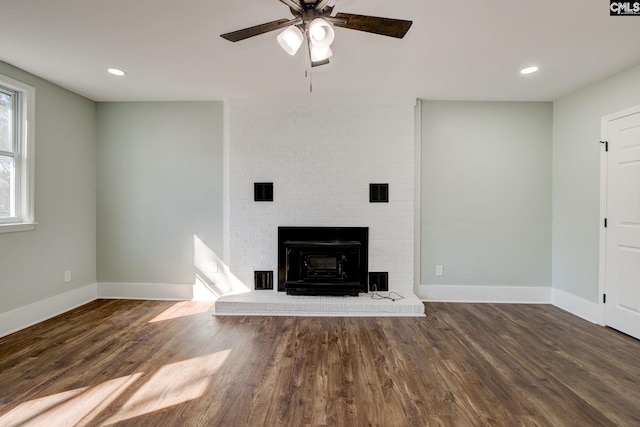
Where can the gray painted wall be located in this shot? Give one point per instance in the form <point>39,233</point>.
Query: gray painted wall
<point>32,263</point>
<point>486,193</point>
<point>576,179</point>
<point>159,185</point>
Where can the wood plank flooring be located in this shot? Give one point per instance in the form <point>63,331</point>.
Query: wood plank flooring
<point>151,363</point>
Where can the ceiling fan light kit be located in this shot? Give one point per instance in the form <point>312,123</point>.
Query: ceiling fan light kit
<point>313,19</point>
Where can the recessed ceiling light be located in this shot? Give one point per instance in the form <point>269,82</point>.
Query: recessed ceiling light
<point>529,70</point>
<point>116,72</point>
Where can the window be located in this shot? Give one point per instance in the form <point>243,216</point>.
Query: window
<point>17,102</point>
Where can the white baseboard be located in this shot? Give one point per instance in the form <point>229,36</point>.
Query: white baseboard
<point>146,291</point>
<point>486,294</point>
<point>23,317</point>
<point>39,311</point>
<point>575,305</point>
<point>198,291</point>
<point>36,312</point>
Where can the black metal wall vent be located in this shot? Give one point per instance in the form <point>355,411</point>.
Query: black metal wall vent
<point>379,281</point>
<point>263,191</point>
<point>379,193</point>
<point>263,280</point>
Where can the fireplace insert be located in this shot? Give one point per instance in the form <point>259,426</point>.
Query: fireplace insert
<point>322,260</point>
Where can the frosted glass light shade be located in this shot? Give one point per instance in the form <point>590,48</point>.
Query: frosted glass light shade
<point>321,33</point>
<point>291,39</point>
<point>320,53</point>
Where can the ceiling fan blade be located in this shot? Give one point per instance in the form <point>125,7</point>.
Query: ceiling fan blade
<point>235,36</point>
<point>372,24</point>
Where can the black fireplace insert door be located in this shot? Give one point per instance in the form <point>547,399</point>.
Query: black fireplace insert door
<point>322,260</point>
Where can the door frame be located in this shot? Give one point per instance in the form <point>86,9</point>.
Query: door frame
<point>602,267</point>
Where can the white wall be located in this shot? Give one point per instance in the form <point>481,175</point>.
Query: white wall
<point>159,190</point>
<point>576,179</point>
<point>486,193</point>
<point>321,159</point>
<point>32,263</point>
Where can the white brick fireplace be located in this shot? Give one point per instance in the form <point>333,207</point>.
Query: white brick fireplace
<point>321,158</point>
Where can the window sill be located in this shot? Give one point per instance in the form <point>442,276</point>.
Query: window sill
<point>23,226</point>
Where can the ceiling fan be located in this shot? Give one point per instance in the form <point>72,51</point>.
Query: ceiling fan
<point>313,21</point>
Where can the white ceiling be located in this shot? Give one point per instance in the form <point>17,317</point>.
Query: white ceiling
<point>457,50</point>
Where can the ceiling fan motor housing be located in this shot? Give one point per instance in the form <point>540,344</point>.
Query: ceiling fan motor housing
<point>309,14</point>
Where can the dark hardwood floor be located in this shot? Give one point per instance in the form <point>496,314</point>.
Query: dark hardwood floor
<point>153,363</point>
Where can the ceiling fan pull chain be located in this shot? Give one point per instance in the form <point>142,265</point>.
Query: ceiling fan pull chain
<point>307,74</point>
<point>308,68</point>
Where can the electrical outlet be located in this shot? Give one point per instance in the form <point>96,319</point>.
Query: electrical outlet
<point>213,267</point>
<point>67,276</point>
<point>439,270</point>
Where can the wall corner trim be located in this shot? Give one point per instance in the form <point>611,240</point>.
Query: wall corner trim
<point>577,306</point>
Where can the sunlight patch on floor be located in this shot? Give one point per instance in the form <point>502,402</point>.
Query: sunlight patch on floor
<point>184,309</point>
<point>76,407</point>
<point>172,385</point>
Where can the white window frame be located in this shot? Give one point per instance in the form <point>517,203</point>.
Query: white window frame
<point>24,218</point>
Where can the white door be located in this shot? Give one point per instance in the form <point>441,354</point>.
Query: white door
<point>622,265</point>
